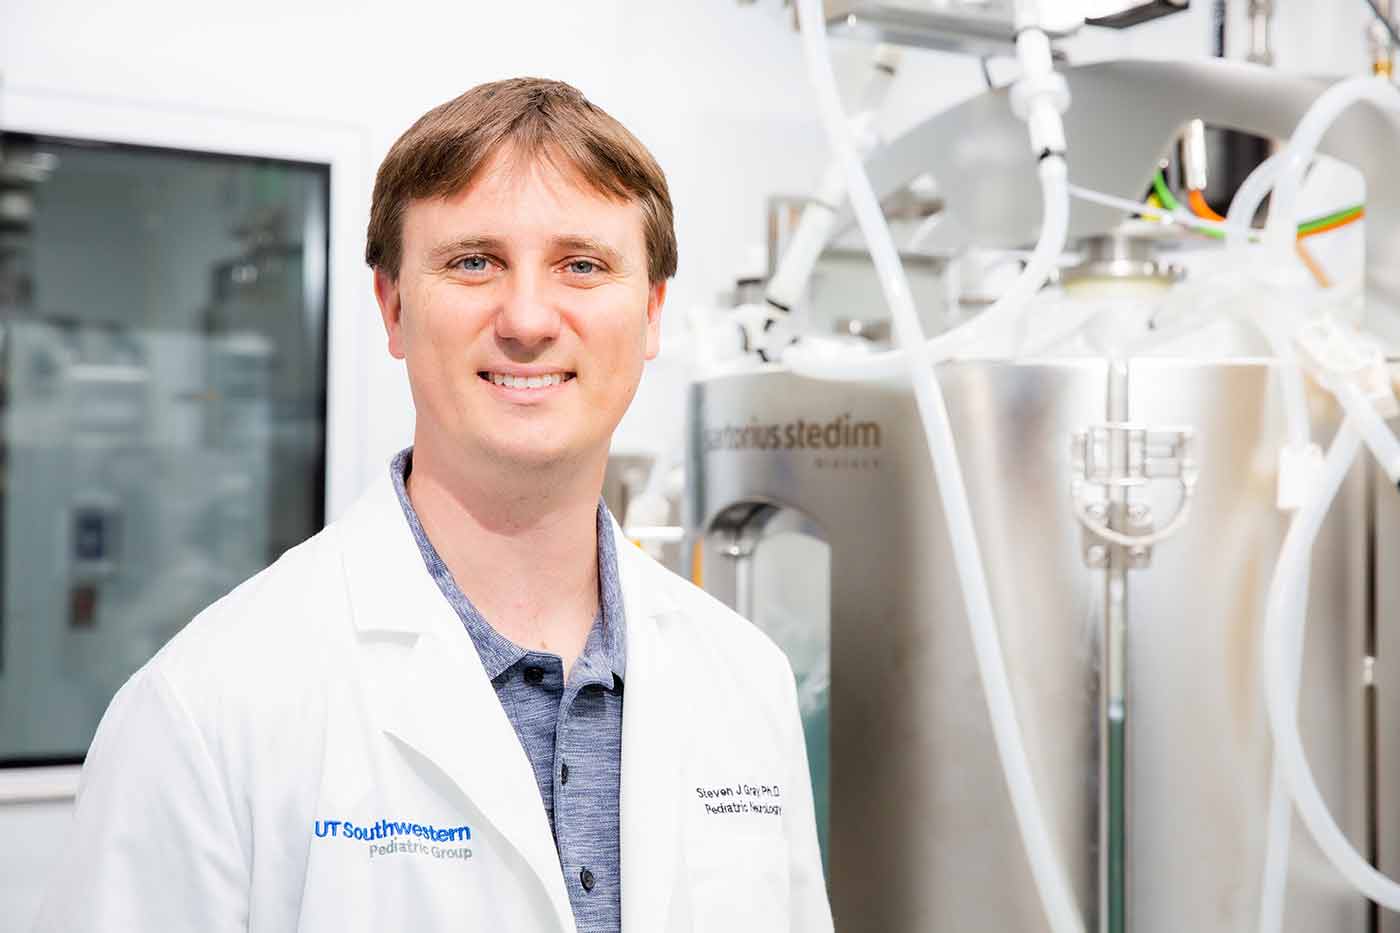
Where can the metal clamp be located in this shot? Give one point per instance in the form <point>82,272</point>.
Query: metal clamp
<point>1144,456</point>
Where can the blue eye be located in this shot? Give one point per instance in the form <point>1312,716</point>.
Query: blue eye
<point>583,266</point>
<point>473,264</point>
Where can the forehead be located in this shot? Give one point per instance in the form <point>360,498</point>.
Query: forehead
<point>522,197</point>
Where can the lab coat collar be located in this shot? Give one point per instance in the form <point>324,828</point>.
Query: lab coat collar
<point>432,693</point>
<point>423,695</point>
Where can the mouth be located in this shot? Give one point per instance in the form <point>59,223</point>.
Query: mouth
<point>536,382</point>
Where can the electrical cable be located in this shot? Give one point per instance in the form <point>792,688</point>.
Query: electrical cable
<point>1207,225</point>
<point>1328,224</point>
<point>1164,193</point>
<point>1146,210</point>
<point>1281,229</point>
<point>1342,214</point>
<point>1201,208</point>
<point>1197,199</point>
<point>1306,257</point>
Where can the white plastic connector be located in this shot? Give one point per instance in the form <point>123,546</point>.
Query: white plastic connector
<point>1299,469</point>
<point>1352,367</point>
<point>1041,94</point>
<point>818,220</point>
<point>766,332</point>
<point>1338,354</point>
<point>1195,156</point>
<point>1057,16</point>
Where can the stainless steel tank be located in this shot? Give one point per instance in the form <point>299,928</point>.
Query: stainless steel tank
<point>919,833</point>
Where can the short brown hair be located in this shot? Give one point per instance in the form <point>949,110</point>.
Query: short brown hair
<point>441,153</point>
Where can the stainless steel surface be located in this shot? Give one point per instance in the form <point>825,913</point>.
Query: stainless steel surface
<point>1386,672</point>
<point>1120,257</point>
<point>1124,117</point>
<point>1112,831</point>
<point>1200,753</point>
<point>922,836</point>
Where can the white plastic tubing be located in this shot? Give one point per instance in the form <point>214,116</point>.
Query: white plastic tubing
<point>1283,216</point>
<point>1375,434</point>
<point>1048,874</point>
<point>819,217</point>
<point>1288,590</point>
<point>993,329</point>
<point>1283,174</point>
<point>990,330</point>
<point>1287,610</point>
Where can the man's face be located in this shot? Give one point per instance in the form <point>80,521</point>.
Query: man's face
<point>524,312</point>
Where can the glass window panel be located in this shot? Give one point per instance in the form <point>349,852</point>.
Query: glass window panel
<point>791,601</point>
<point>162,407</point>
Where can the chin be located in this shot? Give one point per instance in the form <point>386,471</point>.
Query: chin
<point>524,454</point>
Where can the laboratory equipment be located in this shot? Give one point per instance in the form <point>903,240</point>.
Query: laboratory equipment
<point>1126,503</point>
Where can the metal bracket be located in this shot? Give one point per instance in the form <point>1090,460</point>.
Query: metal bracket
<point>1116,458</point>
<point>1095,550</point>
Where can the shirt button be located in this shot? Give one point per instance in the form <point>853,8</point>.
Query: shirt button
<point>564,773</point>
<point>586,879</point>
<point>534,675</point>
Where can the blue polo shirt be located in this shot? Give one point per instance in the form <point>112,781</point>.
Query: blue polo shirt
<point>571,731</point>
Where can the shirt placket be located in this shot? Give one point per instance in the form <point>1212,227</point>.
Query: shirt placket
<point>581,712</point>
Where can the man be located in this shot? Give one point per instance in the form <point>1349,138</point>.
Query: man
<point>470,703</point>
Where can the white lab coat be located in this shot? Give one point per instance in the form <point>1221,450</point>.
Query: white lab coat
<point>339,685</point>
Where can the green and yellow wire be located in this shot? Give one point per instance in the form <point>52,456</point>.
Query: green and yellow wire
<point>1162,194</point>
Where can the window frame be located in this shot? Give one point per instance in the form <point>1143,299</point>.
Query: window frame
<point>349,324</point>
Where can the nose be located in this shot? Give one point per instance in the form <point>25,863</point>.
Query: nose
<point>526,316</point>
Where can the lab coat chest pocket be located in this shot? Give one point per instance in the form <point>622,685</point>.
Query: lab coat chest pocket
<point>738,879</point>
<point>737,849</point>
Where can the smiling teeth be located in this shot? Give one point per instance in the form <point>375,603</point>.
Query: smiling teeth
<point>527,382</point>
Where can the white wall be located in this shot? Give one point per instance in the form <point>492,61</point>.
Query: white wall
<point>716,90</point>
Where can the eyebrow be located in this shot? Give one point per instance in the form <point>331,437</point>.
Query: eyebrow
<point>467,244</point>
<point>585,244</point>
<point>487,244</point>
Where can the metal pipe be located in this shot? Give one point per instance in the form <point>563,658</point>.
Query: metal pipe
<point>1113,763</point>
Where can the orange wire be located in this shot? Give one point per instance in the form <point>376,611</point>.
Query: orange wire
<point>1315,267</point>
<point>1200,208</point>
<point>1335,225</point>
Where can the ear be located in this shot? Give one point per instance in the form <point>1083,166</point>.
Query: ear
<point>386,292</point>
<point>656,297</point>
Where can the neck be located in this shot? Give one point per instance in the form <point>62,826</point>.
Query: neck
<point>522,544</point>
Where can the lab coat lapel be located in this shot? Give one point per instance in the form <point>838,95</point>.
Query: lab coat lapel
<point>428,688</point>
<point>652,722</point>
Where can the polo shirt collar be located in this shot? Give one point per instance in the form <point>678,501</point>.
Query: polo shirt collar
<point>604,652</point>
